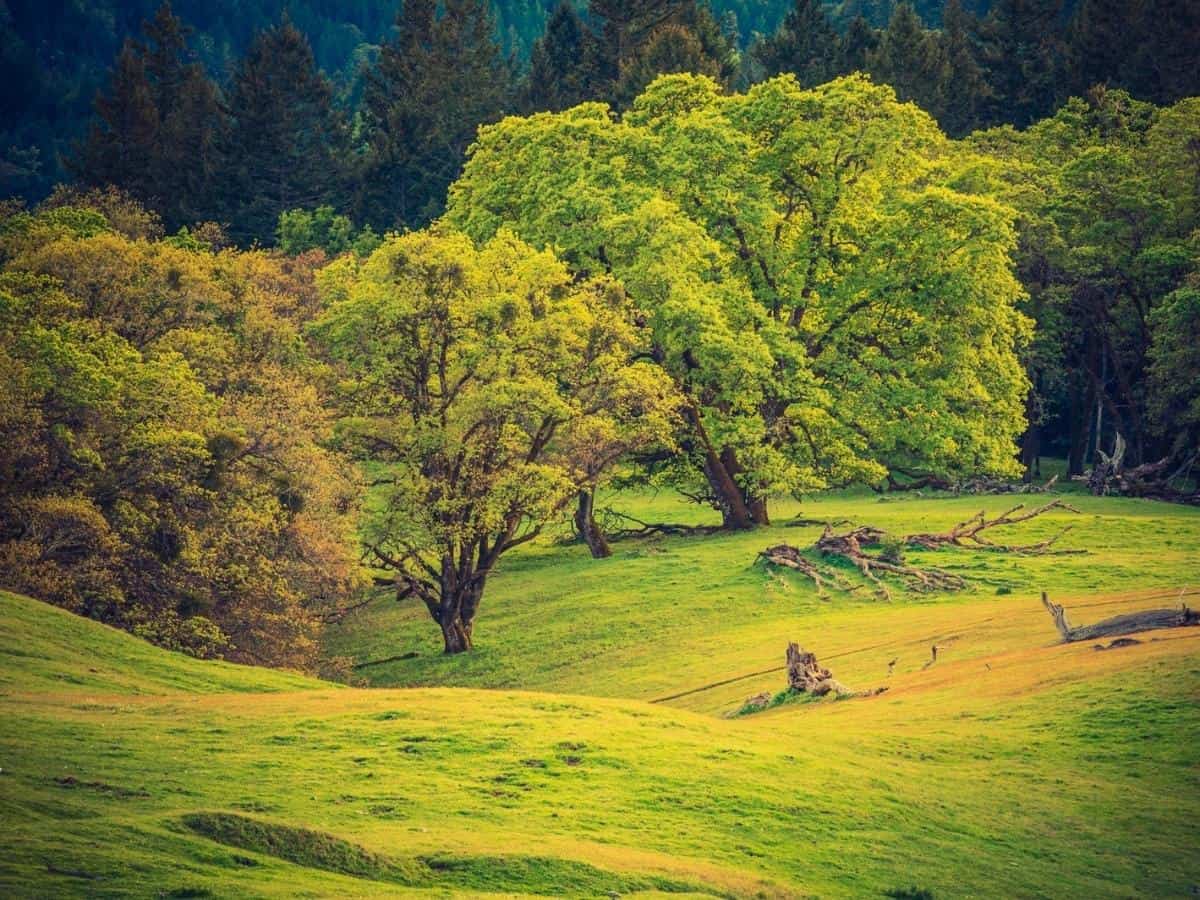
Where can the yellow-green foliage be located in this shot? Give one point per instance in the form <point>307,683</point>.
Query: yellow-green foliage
<point>161,421</point>
<point>487,388</point>
<point>820,294</point>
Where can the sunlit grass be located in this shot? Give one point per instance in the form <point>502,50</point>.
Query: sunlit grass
<point>1011,767</point>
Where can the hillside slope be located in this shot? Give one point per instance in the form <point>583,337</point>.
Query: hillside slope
<point>1020,769</point>
<point>666,615</point>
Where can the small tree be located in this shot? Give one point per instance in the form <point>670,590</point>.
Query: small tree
<point>488,388</point>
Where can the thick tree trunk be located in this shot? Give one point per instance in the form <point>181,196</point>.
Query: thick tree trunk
<point>755,506</point>
<point>734,512</point>
<point>758,511</point>
<point>455,636</point>
<point>455,611</point>
<point>585,524</point>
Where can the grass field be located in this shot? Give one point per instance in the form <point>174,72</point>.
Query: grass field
<point>1011,767</point>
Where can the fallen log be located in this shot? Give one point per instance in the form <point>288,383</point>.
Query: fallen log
<point>875,567</point>
<point>1129,623</point>
<point>889,562</point>
<point>790,557</point>
<point>969,533</point>
<point>1150,481</point>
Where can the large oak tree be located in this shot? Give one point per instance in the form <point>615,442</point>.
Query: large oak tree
<point>828,307</point>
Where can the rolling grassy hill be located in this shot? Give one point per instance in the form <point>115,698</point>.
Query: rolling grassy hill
<point>1011,767</point>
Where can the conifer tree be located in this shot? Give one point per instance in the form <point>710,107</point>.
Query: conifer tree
<point>1023,56</point>
<point>1147,48</point>
<point>964,88</point>
<point>563,64</point>
<point>860,41</point>
<point>123,135</point>
<point>435,83</point>
<point>624,27</point>
<point>690,41</point>
<point>911,60</point>
<point>158,127</point>
<point>805,45</point>
<point>287,141</point>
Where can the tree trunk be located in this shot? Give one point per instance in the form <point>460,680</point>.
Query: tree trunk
<point>734,512</point>
<point>758,511</point>
<point>1130,623</point>
<point>585,524</point>
<point>1031,443</point>
<point>455,636</point>
<point>455,612</point>
<point>755,506</point>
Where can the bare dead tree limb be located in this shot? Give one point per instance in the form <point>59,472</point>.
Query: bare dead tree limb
<point>1129,623</point>
<point>969,533</point>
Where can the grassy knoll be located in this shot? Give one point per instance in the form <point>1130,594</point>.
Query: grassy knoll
<point>1012,767</point>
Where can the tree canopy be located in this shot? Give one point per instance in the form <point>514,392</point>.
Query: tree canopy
<point>826,304</point>
<point>163,464</point>
<point>486,387</point>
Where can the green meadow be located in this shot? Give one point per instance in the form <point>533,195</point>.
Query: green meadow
<point>585,748</point>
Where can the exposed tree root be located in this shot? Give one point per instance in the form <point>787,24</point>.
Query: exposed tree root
<point>1130,623</point>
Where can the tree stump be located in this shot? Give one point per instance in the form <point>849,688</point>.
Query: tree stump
<point>806,676</point>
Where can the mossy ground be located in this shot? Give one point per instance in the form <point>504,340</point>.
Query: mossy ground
<point>1011,767</point>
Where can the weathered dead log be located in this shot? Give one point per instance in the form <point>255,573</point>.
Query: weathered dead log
<point>1150,481</point>
<point>997,486</point>
<point>889,563</point>
<point>969,533</point>
<point>1129,623</point>
<point>875,566</point>
<point>790,557</point>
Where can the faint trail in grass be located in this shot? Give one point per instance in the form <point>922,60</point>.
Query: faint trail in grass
<point>736,678</point>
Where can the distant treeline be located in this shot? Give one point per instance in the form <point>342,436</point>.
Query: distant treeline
<point>971,63</point>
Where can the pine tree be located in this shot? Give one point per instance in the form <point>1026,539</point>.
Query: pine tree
<point>859,42</point>
<point>287,142</point>
<point>123,136</point>
<point>563,64</point>
<point>691,41</point>
<point>1146,47</point>
<point>1023,57</point>
<point>805,45</point>
<point>158,127</point>
<point>911,60</point>
<point>964,89</point>
<point>625,26</point>
<point>435,83</point>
